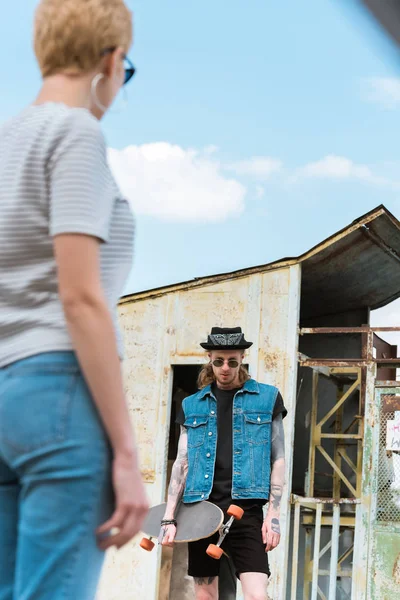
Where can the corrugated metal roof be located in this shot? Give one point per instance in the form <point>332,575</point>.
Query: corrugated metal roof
<point>356,267</point>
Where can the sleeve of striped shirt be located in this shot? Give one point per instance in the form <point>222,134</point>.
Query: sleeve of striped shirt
<point>81,195</point>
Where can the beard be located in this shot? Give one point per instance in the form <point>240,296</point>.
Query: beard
<point>229,379</point>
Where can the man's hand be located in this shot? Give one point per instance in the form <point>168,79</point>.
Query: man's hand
<point>167,535</point>
<point>271,532</point>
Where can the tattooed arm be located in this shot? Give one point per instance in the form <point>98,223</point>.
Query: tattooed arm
<point>277,464</point>
<point>176,487</point>
<point>271,527</point>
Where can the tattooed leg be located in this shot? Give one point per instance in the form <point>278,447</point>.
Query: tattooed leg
<point>204,580</point>
<point>206,588</point>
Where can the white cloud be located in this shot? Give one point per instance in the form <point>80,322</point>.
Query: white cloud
<point>211,149</point>
<point>172,183</point>
<point>342,168</point>
<point>261,167</point>
<point>260,191</point>
<point>169,182</point>
<point>335,167</point>
<point>384,91</point>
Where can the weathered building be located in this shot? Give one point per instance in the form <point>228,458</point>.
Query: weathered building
<point>308,318</point>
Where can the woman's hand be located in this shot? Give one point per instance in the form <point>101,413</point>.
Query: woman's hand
<point>131,504</point>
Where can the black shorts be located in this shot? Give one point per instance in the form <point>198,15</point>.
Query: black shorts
<point>243,544</point>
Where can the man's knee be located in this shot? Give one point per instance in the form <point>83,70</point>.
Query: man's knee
<point>206,588</point>
<point>204,594</point>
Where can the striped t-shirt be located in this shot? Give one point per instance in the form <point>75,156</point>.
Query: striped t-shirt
<point>54,178</point>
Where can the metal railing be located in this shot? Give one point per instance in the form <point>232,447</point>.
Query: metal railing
<point>320,519</point>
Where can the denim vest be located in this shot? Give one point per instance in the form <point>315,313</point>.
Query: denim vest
<point>253,406</point>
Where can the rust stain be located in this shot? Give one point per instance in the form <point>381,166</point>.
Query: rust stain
<point>396,570</point>
<point>277,584</point>
<point>272,360</point>
<point>332,362</point>
<point>294,498</point>
<point>390,403</point>
<point>191,354</point>
<point>148,475</point>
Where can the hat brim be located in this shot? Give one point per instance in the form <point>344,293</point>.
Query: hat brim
<point>222,347</point>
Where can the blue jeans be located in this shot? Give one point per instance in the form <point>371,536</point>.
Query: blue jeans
<point>55,481</point>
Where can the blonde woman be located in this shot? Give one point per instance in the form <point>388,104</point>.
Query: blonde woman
<point>70,485</point>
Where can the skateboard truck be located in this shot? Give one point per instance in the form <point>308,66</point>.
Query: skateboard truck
<point>215,550</point>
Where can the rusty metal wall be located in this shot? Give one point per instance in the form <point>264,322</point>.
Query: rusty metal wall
<point>384,518</point>
<point>166,330</point>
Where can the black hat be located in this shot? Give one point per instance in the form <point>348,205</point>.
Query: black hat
<point>226,338</point>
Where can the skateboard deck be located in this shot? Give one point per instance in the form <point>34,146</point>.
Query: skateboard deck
<point>194,521</point>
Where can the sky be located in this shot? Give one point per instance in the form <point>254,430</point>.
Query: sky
<point>253,130</point>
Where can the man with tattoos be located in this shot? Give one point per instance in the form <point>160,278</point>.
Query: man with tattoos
<point>231,451</point>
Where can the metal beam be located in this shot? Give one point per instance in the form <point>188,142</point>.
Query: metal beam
<point>334,552</point>
<point>376,238</point>
<point>295,557</point>
<point>349,362</point>
<point>327,520</point>
<point>317,538</point>
<point>338,404</point>
<point>338,471</point>
<point>333,330</point>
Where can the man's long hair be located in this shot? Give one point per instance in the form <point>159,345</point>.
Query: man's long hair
<point>206,376</point>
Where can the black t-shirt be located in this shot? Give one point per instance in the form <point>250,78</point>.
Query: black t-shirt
<point>222,485</point>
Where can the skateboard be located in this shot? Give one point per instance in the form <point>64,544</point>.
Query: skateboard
<point>194,522</point>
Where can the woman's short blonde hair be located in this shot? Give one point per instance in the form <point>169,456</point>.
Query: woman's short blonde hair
<point>70,35</point>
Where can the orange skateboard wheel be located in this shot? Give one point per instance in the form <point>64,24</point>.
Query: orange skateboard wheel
<point>214,551</point>
<point>235,511</point>
<point>147,544</point>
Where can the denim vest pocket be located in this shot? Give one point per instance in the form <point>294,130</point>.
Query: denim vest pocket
<point>257,428</point>
<point>196,426</point>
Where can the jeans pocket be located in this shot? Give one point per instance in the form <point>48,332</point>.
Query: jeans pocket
<point>34,407</point>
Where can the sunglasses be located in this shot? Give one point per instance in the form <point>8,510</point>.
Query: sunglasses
<point>129,68</point>
<point>232,363</point>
